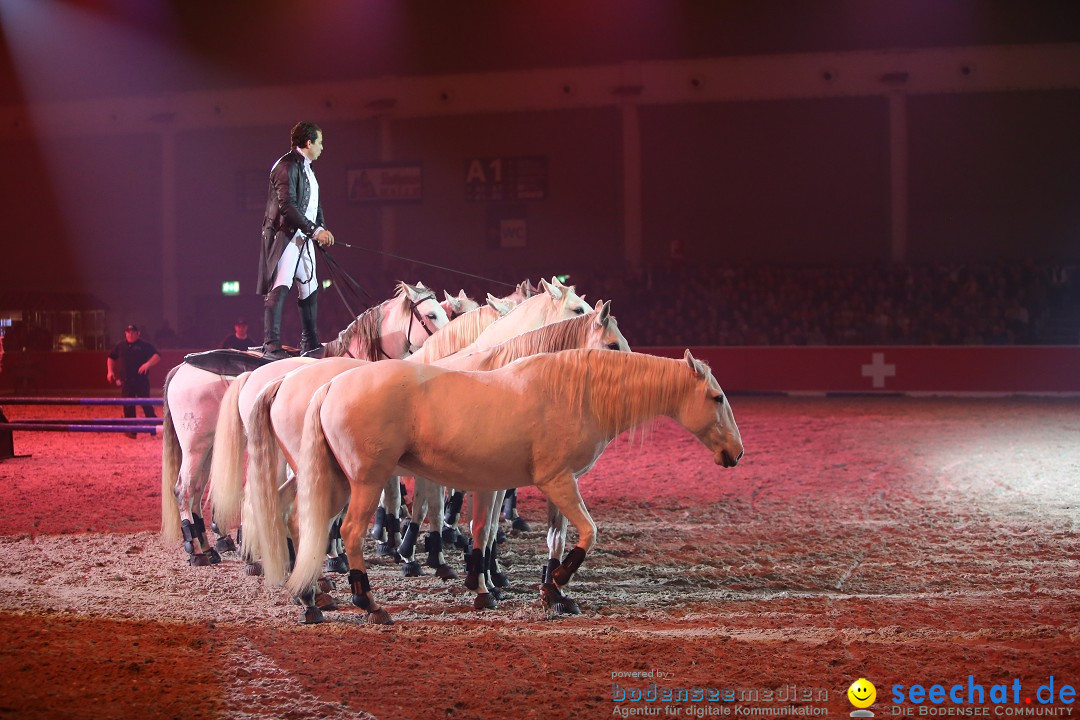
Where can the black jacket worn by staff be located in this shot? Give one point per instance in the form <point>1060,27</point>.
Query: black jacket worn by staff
<point>289,194</point>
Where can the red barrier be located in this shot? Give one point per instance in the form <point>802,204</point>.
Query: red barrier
<point>904,369</point>
<point>990,369</point>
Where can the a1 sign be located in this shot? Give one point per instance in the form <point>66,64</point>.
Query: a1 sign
<point>509,178</point>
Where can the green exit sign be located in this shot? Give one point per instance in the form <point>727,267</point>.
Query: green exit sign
<point>230,287</point>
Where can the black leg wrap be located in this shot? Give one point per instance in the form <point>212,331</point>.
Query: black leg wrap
<point>379,525</point>
<point>339,564</point>
<point>509,503</point>
<point>545,572</point>
<point>358,580</point>
<point>498,579</point>
<point>474,563</point>
<point>188,529</point>
<point>200,529</point>
<point>433,543</point>
<point>292,552</point>
<point>453,508</point>
<point>335,528</point>
<point>393,527</point>
<point>561,575</point>
<point>408,542</point>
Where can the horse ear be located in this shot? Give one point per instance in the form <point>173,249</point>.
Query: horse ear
<point>499,306</point>
<point>551,290</point>
<point>415,291</point>
<point>461,294</point>
<point>694,364</point>
<point>603,312</point>
<point>449,298</point>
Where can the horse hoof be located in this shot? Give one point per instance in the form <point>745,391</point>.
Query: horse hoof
<point>497,593</point>
<point>311,616</point>
<point>500,536</point>
<point>520,525</point>
<point>379,617</point>
<point>566,606</point>
<point>485,601</point>
<point>411,569</point>
<point>445,572</point>
<point>199,560</point>
<point>499,580</point>
<point>337,564</point>
<point>324,584</point>
<point>325,602</point>
<point>387,550</point>
<point>213,557</point>
<point>254,569</point>
<point>225,544</point>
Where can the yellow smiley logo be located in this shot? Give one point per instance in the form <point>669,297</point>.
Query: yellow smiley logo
<point>862,693</point>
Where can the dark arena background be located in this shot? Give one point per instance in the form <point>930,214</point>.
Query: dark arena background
<point>863,215</point>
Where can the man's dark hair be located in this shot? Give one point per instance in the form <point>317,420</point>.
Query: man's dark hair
<point>303,132</point>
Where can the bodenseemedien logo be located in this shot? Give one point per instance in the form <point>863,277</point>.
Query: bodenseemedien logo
<point>862,695</point>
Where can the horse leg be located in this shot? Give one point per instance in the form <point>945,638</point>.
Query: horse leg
<point>189,487</point>
<point>556,541</point>
<point>509,512</point>
<point>391,501</point>
<point>433,541</point>
<point>475,562</point>
<point>496,579</point>
<point>407,548</point>
<point>361,506</point>
<point>563,492</point>
<point>450,533</point>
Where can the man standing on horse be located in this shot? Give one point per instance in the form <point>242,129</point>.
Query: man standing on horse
<point>294,218</point>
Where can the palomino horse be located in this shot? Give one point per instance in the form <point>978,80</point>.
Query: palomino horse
<point>541,421</point>
<point>192,399</point>
<point>274,424</point>
<point>557,302</point>
<point>227,467</point>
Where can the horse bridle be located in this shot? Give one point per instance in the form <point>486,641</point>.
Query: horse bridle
<point>416,317</point>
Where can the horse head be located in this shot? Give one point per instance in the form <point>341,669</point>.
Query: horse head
<point>565,302</point>
<point>607,328</point>
<point>427,314</point>
<point>459,304</point>
<point>706,413</point>
<point>501,305</point>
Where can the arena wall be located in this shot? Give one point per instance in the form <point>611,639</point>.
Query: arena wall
<point>854,369</point>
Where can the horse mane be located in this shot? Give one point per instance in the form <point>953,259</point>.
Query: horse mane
<point>562,335</point>
<point>458,333</point>
<point>623,390</point>
<point>368,326</point>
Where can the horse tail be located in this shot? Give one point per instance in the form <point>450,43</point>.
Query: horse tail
<point>263,520</point>
<point>227,465</point>
<point>319,470</point>
<point>171,455</point>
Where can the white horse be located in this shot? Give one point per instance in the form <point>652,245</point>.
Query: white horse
<point>227,466</point>
<point>274,425</point>
<point>193,397</point>
<point>556,302</point>
<point>541,421</point>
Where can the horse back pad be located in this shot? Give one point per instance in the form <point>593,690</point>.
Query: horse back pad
<point>227,361</point>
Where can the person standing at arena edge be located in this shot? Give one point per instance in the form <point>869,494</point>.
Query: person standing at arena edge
<point>136,357</point>
<point>294,218</point>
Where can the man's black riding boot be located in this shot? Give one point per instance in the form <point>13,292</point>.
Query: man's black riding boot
<point>273,306</point>
<point>309,322</point>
